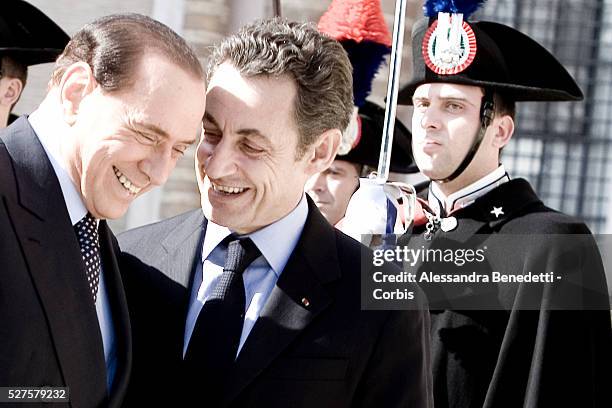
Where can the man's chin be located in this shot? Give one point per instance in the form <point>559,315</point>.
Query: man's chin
<point>206,208</point>
<point>216,216</point>
<point>431,172</point>
<point>108,214</point>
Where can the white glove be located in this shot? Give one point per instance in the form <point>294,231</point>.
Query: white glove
<point>368,213</point>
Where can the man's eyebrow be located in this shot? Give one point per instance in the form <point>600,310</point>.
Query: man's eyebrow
<point>156,130</point>
<point>454,98</point>
<point>243,132</point>
<point>209,117</point>
<point>254,133</point>
<point>140,126</point>
<point>450,98</point>
<point>457,98</point>
<point>152,128</point>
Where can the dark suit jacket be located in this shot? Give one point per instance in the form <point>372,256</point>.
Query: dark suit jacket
<point>328,354</point>
<point>49,332</point>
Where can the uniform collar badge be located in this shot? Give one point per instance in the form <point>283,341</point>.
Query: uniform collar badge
<point>497,211</point>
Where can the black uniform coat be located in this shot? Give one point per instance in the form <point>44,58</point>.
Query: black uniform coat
<point>49,331</point>
<point>328,353</point>
<point>508,357</point>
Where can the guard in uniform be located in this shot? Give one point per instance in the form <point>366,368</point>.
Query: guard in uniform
<point>499,344</point>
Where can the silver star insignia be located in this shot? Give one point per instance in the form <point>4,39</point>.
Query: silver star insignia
<point>497,211</point>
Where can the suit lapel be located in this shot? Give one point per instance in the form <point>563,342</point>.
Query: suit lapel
<point>183,246</point>
<point>121,321</point>
<point>51,251</point>
<point>298,297</point>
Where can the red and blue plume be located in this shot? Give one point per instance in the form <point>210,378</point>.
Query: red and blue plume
<point>465,7</point>
<point>361,28</point>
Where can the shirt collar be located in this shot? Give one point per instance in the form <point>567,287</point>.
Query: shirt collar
<point>467,195</point>
<point>49,129</point>
<point>275,241</point>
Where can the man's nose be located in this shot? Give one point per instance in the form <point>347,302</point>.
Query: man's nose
<point>318,183</point>
<point>430,118</point>
<point>218,160</point>
<point>158,166</point>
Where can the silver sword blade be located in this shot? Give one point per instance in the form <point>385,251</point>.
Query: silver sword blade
<point>395,66</point>
<point>276,8</point>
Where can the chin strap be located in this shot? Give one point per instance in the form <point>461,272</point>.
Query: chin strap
<point>487,110</point>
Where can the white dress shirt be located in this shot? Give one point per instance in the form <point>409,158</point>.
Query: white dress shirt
<point>276,243</point>
<point>49,130</point>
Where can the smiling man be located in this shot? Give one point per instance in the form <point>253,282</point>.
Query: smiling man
<point>258,295</point>
<point>126,99</point>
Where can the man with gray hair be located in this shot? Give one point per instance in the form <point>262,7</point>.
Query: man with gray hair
<point>126,99</point>
<point>257,294</point>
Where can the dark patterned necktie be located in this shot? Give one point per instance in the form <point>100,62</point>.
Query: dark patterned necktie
<point>87,234</point>
<point>214,343</point>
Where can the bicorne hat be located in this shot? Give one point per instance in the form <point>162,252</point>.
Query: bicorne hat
<point>28,35</point>
<point>447,48</point>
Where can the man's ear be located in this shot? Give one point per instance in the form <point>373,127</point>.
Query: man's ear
<point>11,91</point>
<point>323,152</point>
<point>76,84</point>
<point>503,127</point>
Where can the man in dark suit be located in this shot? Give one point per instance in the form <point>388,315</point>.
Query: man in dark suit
<point>27,37</point>
<point>497,344</point>
<point>284,328</point>
<point>126,99</point>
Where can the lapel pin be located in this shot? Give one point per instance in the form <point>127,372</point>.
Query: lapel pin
<point>305,302</point>
<point>448,224</point>
<point>497,211</point>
